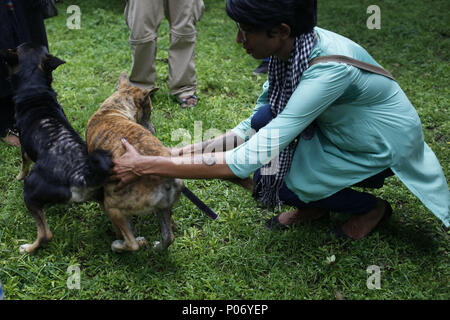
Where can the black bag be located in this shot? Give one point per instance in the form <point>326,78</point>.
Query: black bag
<point>49,8</point>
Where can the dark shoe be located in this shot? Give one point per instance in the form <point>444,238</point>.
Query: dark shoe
<point>262,68</point>
<point>356,221</point>
<point>275,224</point>
<point>188,102</point>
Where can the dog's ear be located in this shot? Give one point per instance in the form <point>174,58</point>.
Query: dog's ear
<point>50,62</point>
<point>10,56</point>
<point>123,80</point>
<point>149,92</point>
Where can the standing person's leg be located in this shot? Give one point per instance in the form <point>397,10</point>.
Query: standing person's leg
<point>34,18</point>
<point>182,15</point>
<point>21,21</point>
<point>7,121</point>
<point>6,107</point>
<point>143,18</point>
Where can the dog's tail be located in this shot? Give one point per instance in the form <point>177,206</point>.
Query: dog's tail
<point>100,163</point>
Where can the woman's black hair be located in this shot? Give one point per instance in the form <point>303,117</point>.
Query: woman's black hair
<point>260,15</point>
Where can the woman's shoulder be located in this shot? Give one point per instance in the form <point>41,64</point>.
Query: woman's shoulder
<point>331,43</point>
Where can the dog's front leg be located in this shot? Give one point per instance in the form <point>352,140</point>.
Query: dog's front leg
<point>165,223</point>
<point>26,162</point>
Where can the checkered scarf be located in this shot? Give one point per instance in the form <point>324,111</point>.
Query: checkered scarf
<point>284,77</point>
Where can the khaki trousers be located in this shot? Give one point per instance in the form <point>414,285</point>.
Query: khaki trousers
<point>143,18</point>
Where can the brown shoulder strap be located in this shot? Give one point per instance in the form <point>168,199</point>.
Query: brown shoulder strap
<point>356,63</point>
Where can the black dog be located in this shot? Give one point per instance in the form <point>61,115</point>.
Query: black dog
<point>63,171</point>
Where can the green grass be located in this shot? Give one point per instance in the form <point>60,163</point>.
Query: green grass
<point>234,257</point>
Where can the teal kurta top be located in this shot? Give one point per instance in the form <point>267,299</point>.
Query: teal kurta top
<point>366,124</point>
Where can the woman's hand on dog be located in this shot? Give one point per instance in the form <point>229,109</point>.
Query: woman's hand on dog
<point>131,165</point>
<point>125,167</point>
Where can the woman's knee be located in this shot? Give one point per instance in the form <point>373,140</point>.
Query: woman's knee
<point>261,118</point>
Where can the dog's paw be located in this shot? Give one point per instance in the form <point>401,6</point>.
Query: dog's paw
<point>141,241</point>
<point>118,246</point>
<point>159,246</point>
<point>25,248</point>
<point>20,176</point>
<point>121,245</point>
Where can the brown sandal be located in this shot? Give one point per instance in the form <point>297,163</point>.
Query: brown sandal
<point>189,101</point>
<point>7,139</point>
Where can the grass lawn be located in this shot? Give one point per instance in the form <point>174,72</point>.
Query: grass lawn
<point>234,257</point>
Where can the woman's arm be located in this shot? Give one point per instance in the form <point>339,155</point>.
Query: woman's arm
<point>222,143</point>
<point>132,165</point>
<point>319,88</point>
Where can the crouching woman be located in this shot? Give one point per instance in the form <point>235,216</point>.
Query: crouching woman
<point>330,125</point>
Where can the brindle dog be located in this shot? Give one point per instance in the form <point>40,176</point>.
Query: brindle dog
<point>127,114</point>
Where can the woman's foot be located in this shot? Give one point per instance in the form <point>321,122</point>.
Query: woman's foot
<point>285,219</point>
<point>360,226</point>
<point>12,140</point>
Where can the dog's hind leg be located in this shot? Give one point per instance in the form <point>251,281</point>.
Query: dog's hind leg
<point>164,217</point>
<point>36,193</point>
<point>44,235</point>
<point>122,225</point>
<point>26,162</point>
